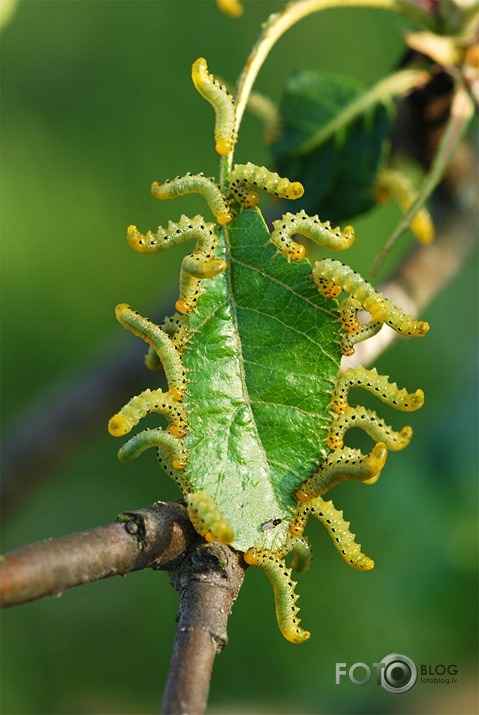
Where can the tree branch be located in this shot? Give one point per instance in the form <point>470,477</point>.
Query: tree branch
<point>208,581</point>
<point>154,537</point>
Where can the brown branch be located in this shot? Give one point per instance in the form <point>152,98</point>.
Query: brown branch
<point>207,577</point>
<point>154,537</point>
<point>208,582</point>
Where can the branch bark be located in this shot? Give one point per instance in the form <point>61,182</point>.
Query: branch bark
<point>154,537</point>
<point>207,577</point>
<point>208,581</point>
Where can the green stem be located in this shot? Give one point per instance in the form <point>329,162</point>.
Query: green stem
<point>279,23</point>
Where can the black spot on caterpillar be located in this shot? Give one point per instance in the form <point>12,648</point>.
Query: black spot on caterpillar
<point>245,179</point>
<point>207,519</point>
<point>318,231</point>
<point>221,101</point>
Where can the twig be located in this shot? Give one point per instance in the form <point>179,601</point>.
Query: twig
<point>425,272</point>
<point>154,537</point>
<point>208,582</point>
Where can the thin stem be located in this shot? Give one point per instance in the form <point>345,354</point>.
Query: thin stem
<point>279,23</point>
<point>462,111</point>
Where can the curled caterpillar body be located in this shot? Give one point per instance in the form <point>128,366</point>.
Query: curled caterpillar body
<point>379,385</point>
<point>331,273</point>
<point>144,403</point>
<point>311,227</point>
<point>222,102</point>
<point>339,531</point>
<point>196,184</point>
<point>284,596</point>
<point>374,426</point>
<point>168,443</point>
<point>343,463</point>
<point>207,519</point>
<point>168,354</point>
<point>186,229</point>
<point>245,179</point>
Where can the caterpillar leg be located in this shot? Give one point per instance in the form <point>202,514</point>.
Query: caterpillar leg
<point>168,354</point>
<point>144,403</point>
<point>341,464</point>
<point>246,179</point>
<point>379,385</point>
<point>321,232</point>
<point>196,184</point>
<point>342,537</point>
<point>331,277</point>
<point>373,425</point>
<point>207,518</point>
<point>219,98</point>
<point>285,598</point>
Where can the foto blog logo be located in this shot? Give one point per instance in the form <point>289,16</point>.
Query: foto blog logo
<point>396,673</point>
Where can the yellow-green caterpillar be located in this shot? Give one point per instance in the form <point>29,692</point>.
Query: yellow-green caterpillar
<point>245,179</point>
<point>318,231</point>
<point>377,384</point>
<point>339,531</point>
<point>343,463</point>
<point>196,184</point>
<point>284,596</point>
<point>207,519</point>
<point>149,401</point>
<point>330,274</point>
<point>200,264</point>
<point>161,343</point>
<point>221,101</point>
<point>373,425</point>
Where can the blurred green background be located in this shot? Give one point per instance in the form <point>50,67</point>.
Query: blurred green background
<point>97,103</point>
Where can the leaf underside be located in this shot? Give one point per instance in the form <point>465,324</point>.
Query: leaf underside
<point>261,362</point>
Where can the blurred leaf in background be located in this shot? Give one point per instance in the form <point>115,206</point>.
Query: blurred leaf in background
<point>98,103</point>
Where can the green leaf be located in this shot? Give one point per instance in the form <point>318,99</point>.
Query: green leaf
<point>333,139</point>
<point>261,365</point>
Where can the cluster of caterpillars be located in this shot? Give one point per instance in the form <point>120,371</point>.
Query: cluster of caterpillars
<point>169,341</point>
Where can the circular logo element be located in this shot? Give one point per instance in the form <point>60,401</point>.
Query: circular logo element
<point>398,674</point>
